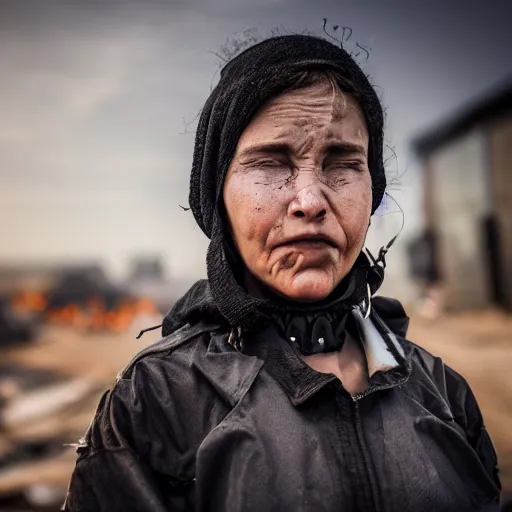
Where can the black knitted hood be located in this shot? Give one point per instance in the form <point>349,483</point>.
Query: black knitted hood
<point>246,84</point>
<point>196,305</point>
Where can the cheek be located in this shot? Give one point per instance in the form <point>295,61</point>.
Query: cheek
<point>354,212</point>
<point>252,211</point>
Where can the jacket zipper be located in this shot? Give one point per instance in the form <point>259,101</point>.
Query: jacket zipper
<point>375,494</point>
<point>375,491</point>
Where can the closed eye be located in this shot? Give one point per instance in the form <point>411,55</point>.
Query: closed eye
<point>266,156</point>
<point>356,165</point>
<point>344,155</point>
<point>267,163</point>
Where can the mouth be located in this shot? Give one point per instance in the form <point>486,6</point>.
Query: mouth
<point>309,241</point>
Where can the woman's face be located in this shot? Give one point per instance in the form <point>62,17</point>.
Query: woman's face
<point>298,191</point>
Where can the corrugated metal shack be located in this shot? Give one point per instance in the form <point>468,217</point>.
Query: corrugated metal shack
<point>467,181</point>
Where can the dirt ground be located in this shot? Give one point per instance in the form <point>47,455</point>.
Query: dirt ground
<point>479,346</point>
<point>94,358</point>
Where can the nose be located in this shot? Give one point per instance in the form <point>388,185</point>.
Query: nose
<point>309,203</point>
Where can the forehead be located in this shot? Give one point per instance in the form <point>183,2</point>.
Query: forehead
<point>320,111</point>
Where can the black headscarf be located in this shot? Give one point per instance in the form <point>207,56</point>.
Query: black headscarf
<point>246,83</point>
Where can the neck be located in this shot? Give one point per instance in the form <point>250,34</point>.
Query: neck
<point>348,364</point>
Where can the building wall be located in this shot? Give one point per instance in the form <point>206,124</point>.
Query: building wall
<point>459,200</point>
<point>500,153</point>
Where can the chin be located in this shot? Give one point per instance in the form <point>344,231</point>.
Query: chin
<point>309,286</point>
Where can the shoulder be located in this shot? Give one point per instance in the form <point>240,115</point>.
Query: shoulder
<point>430,370</point>
<point>168,349</point>
<point>434,367</point>
<point>426,367</point>
<point>158,392</point>
<point>430,375</point>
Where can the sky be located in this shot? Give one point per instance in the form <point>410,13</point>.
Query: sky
<point>98,101</point>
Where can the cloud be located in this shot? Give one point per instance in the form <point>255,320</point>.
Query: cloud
<point>111,64</point>
<point>93,94</point>
<point>84,96</point>
<point>13,136</point>
<point>59,73</point>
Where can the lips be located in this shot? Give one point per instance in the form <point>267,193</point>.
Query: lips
<point>316,240</point>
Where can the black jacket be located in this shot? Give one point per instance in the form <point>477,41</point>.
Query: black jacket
<point>193,424</point>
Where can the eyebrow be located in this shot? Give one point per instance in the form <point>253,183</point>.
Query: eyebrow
<point>344,148</point>
<point>269,147</point>
<point>334,148</point>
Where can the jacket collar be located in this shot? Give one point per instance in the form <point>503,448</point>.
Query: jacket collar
<point>232,373</point>
<point>283,362</point>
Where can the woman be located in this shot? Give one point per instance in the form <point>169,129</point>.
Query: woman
<point>280,384</point>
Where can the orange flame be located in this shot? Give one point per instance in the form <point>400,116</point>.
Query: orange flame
<point>91,316</point>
